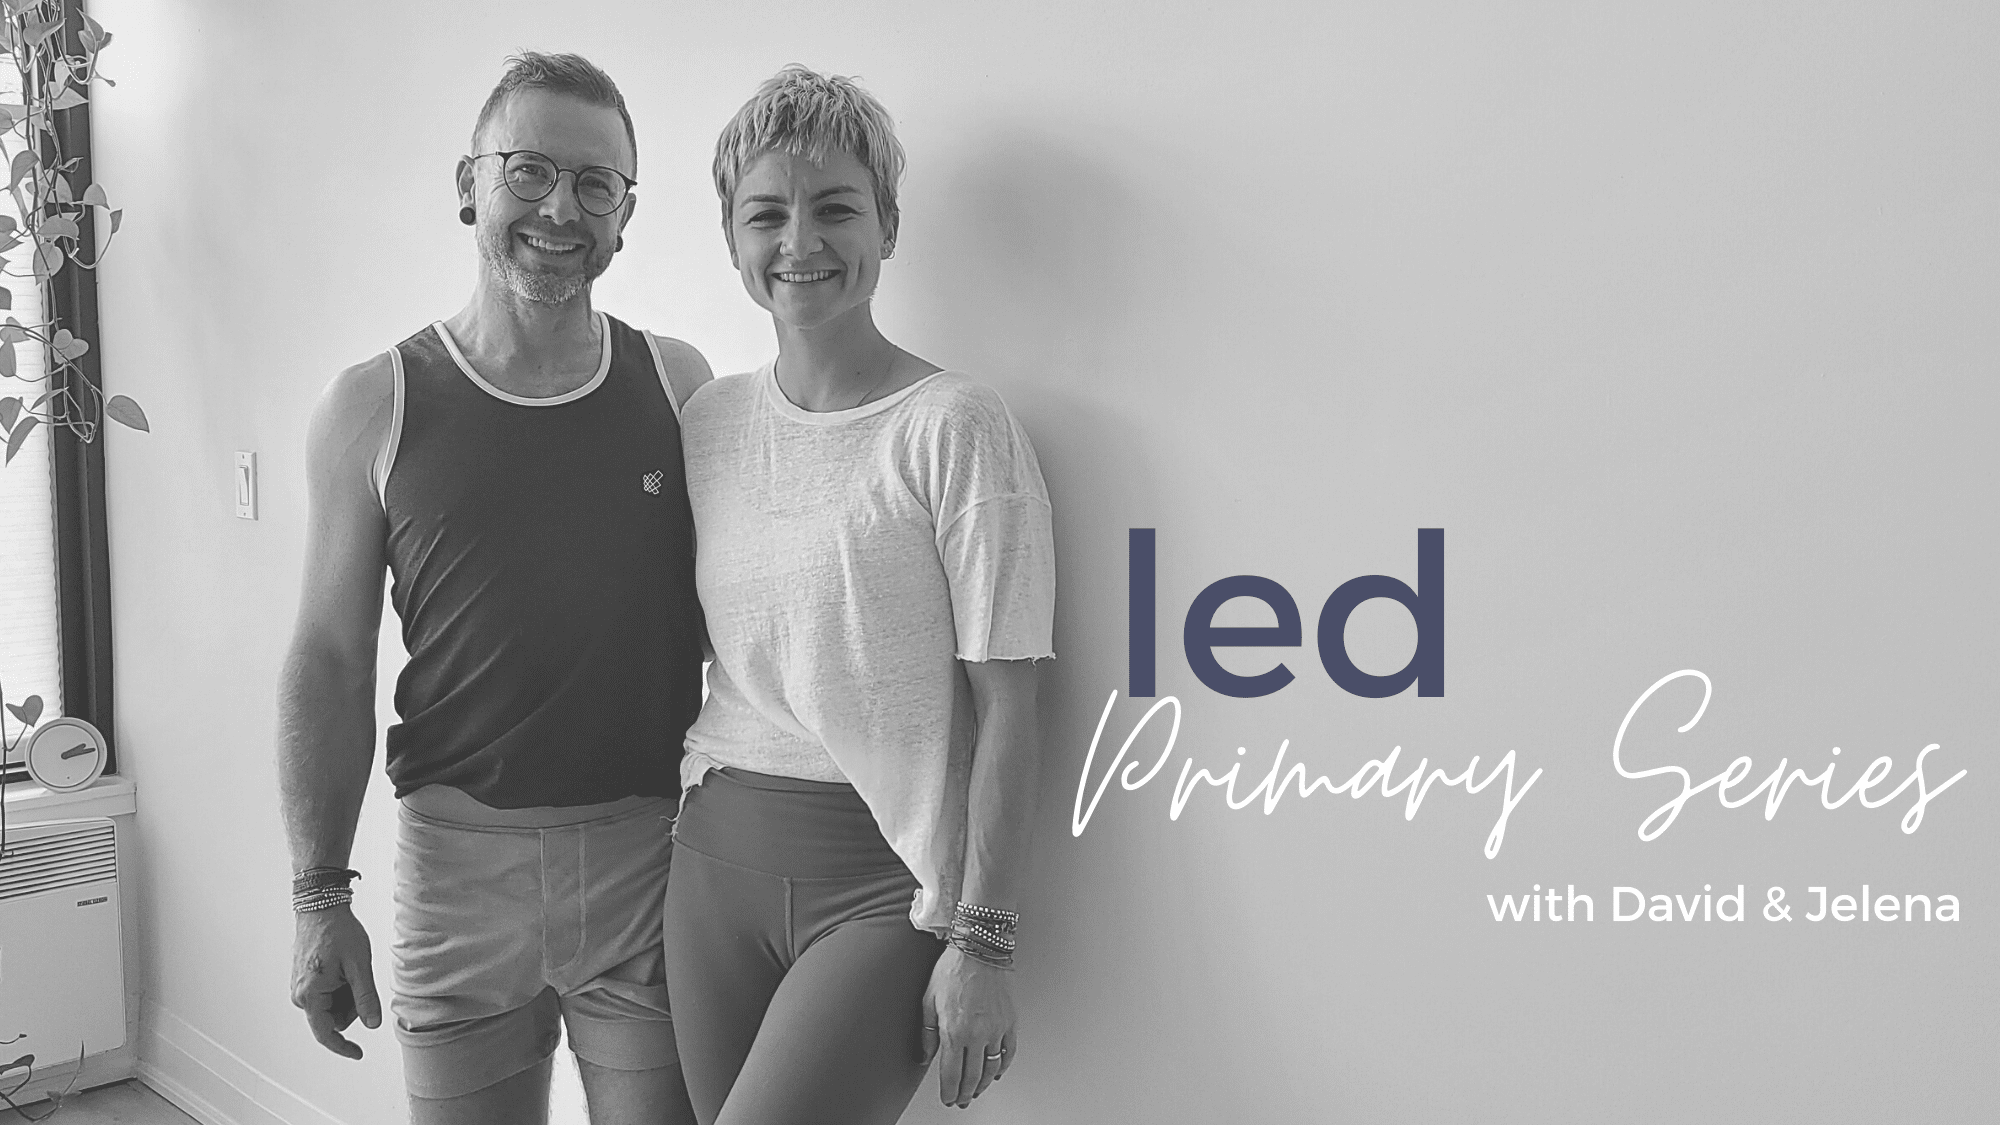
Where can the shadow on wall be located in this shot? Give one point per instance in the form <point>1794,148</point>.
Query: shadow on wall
<point>1021,244</point>
<point>1025,274</point>
<point>1027,269</point>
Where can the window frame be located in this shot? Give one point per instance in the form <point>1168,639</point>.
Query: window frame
<point>83,557</point>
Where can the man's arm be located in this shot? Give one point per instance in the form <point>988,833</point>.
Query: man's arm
<point>326,691</point>
<point>685,367</point>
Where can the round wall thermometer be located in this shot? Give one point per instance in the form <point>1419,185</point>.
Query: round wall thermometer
<point>65,754</point>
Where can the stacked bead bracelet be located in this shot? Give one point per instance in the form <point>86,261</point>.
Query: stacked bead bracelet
<point>322,888</point>
<point>984,933</point>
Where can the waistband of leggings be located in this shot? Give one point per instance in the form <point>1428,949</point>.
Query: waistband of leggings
<point>786,827</point>
<point>777,784</point>
<point>447,804</point>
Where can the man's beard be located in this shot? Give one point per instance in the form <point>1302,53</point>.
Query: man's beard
<point>496,248</point>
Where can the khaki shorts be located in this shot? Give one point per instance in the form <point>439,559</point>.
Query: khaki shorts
<point>502,931</point>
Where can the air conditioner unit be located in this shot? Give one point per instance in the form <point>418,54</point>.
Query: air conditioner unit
<point>62,975</point>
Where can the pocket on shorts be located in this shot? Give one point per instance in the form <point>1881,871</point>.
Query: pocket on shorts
<point>468,913</point>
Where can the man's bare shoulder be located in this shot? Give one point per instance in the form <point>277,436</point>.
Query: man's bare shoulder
<point>686,369</point>
<point>354,412</point>
<point>360,389</point>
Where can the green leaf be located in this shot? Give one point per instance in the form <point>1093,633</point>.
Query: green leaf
<point>122,409</point>
<point>64,193</point>
<point>20,437</point>
<point>24,162</point>
<point>6,121</point>
<point>38,31</point>
<point>8,242</point>
<point>10,409</point>
<point>29,710</point>
<point>14,332</point>
<point>49,259</point>
<point>8,361</point>
<point>61,226</point>
<point>94,196</point>
<point>68,99</point>
<point>115,216</point>
<point>7,224</point>
<point>6,297</point>
<point>67,346</point>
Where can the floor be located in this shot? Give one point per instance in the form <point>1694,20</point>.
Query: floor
<point>134,1103</point>
<point>125,1103</point>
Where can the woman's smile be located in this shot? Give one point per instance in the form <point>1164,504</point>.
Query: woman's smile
<point>805,277</point>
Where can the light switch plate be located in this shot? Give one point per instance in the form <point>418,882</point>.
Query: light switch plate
<point>246,485</point>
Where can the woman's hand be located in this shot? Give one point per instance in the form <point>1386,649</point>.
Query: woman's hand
<point>968,1025</point>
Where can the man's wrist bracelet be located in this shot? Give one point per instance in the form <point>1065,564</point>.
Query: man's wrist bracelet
<point>313,902</point>
<point>322,888</point>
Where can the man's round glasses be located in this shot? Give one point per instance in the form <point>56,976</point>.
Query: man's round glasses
<point>532,176</point>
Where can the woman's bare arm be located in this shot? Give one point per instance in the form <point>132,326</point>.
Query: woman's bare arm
<point>969,1002</point>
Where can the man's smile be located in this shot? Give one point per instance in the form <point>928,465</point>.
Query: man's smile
<point>549,245</point>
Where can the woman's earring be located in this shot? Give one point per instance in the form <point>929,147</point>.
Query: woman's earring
<point>467,216</point>
<point>618,245</point>
<point>888,250</point>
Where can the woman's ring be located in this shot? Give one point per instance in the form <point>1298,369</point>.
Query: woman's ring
<point>995,1056</point>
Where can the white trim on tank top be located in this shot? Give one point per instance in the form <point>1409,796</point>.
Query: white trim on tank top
<point>660,365</point>
<point>386,459</point>
<point>597,380</point>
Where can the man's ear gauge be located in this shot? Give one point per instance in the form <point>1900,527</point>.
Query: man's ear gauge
<point>467,216</point>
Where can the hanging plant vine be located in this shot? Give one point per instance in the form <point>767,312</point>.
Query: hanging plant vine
<point>56,71</point>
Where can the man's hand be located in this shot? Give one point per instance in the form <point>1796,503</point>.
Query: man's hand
<point>332,979</point>
<point>969,1025</point>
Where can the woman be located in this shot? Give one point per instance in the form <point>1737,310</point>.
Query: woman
<point>876,565</point>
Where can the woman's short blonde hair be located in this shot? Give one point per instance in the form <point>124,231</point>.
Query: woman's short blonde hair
<point>804,113</point>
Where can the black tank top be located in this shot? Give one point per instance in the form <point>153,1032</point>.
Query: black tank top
<point>543,565</point>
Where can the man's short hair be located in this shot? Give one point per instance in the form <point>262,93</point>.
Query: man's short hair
<point>803,113</point>
<point>572,75</point>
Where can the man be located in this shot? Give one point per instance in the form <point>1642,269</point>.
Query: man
<point>517,469</point>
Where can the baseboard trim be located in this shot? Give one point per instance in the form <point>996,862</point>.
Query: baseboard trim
<point>211,1083</point>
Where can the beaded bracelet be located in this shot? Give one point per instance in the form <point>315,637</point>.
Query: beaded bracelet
<point>980,953</point>
<point>984,933</point>
<point>322,888</point>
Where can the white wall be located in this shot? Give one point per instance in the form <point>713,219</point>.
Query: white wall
<point>1678,319</point>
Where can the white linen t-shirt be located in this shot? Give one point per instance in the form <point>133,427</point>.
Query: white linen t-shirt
<point>846,562</point>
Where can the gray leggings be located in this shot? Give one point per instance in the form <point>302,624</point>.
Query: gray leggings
<point>795,977</point>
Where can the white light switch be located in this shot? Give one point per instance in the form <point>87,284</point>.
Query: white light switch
<point>246,485</point>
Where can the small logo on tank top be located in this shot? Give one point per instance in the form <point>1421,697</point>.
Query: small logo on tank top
<point>651,482</point>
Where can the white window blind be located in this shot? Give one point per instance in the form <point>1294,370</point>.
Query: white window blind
<point>30,621</point>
